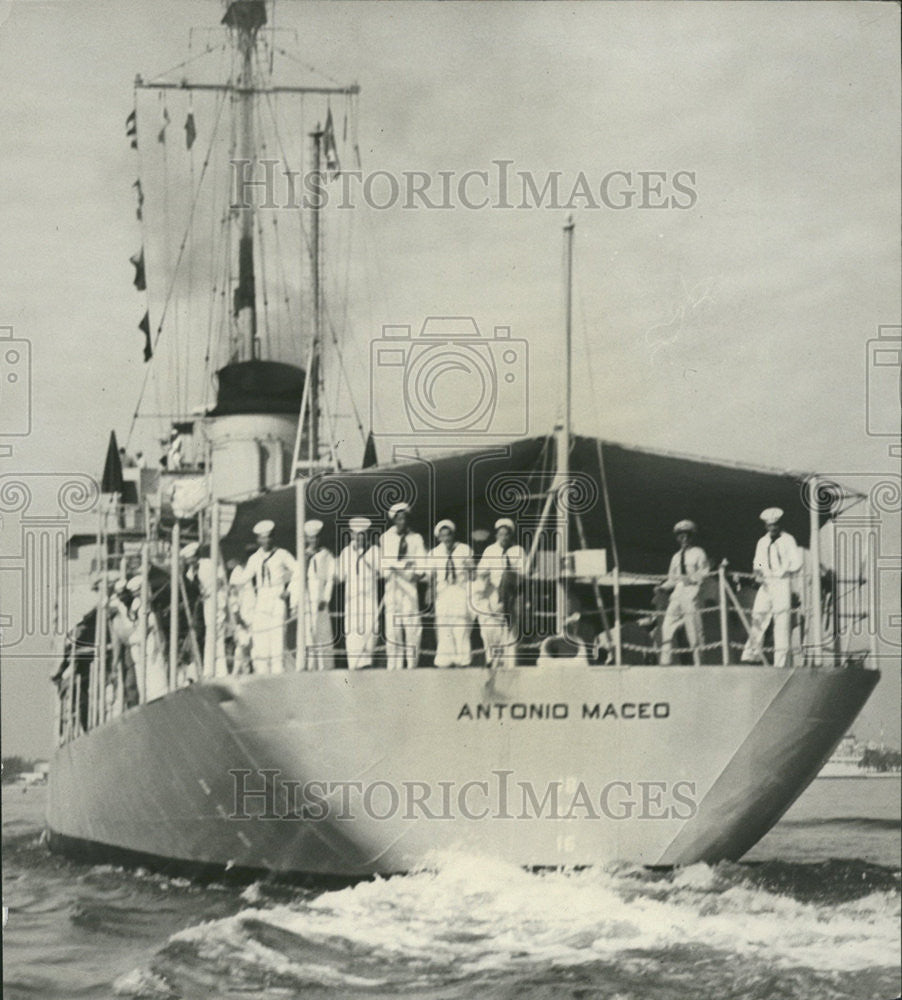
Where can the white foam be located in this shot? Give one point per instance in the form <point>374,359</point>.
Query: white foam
<point>141,983</point>
<point>477,915</point>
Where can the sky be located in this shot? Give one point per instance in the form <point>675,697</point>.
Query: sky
<point>739,327</point>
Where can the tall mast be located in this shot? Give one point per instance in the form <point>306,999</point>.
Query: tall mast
<point>245,18</point>
<point>314,374</point>
<point>563,436</point>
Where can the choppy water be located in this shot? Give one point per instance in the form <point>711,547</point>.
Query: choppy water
<point>813,912</point>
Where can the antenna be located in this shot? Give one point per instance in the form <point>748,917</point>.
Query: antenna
<point>563,438</point>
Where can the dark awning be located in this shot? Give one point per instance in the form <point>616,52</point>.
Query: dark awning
<point>649,492</point>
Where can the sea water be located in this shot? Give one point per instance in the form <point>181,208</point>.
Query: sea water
<point>812,912</point>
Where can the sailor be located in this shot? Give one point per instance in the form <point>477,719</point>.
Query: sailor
<point>320,567</point>
<point>496,596</point>
<point>777,560</point>
<point>688,569</point>
<point>240,611</point>
<point>152,673</point>
<point>214,635</point>
<point>358,570</point>
<point>174,451</point>
<point>452,568</point>
<point>191,620</point>
<point>402,553</point>
<point>122,665</point>
<point>269,571</point>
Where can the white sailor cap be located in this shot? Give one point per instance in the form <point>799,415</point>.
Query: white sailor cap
<point>312,528</point>
<point>771,515</point>
<point>264,527</point>
<point>504,522</point>
<point>190,550</point>
<point>358,524</point>
<point>134,584</point>
<point>685,525</point>
<point>398,508</point>
<point>444,524</point>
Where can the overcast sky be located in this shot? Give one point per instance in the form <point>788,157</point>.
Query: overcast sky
<point>736,328</point>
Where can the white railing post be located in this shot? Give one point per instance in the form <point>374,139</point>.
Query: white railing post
<point>814,550</point>
<point>213,668</point>
<point>300,515</point>
<point>871,620</point>
<point>100,690</point>
<point>174,605</point>
<point>724,620</point>
<point>144,611</point>
<point>76,708</point>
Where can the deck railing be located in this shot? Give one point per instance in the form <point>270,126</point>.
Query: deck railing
<point>149,643</point>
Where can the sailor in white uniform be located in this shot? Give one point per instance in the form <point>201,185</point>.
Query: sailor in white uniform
<point>402,554</point>
<point>214,638</point>
<point>320,567</point>
<point>688,569</point>
<point>269,571</point>
<point>192,667</point>
<point>152,676</point>
<point>451,564</point>
<point>777,560</point>
<point>121,629</point>
<point>358,570</point>
<point>240,616</point>
<point>496,595</point>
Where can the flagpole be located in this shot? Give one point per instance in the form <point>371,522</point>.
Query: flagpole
<point>563,443</point>
<point>313,375</point>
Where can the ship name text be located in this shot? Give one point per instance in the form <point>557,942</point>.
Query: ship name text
<point>519,711</point>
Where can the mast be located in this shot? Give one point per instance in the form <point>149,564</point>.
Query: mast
<point>313,374</point>
<point>563,436</point>
<point>245,18</point>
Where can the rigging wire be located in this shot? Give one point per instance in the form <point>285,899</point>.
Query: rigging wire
<point>599,447</point>
<point>181,252</point>
<point>190,275</point>
<point>173,359</point>
<point>281,278</point>
<point>187,62</point>
<point>306,65</point>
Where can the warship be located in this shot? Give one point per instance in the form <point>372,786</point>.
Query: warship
<point>177,749</point>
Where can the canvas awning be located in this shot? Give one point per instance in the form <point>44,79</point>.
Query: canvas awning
<point>649,491</point>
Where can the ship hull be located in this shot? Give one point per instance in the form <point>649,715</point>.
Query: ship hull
<point>351,774</point>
